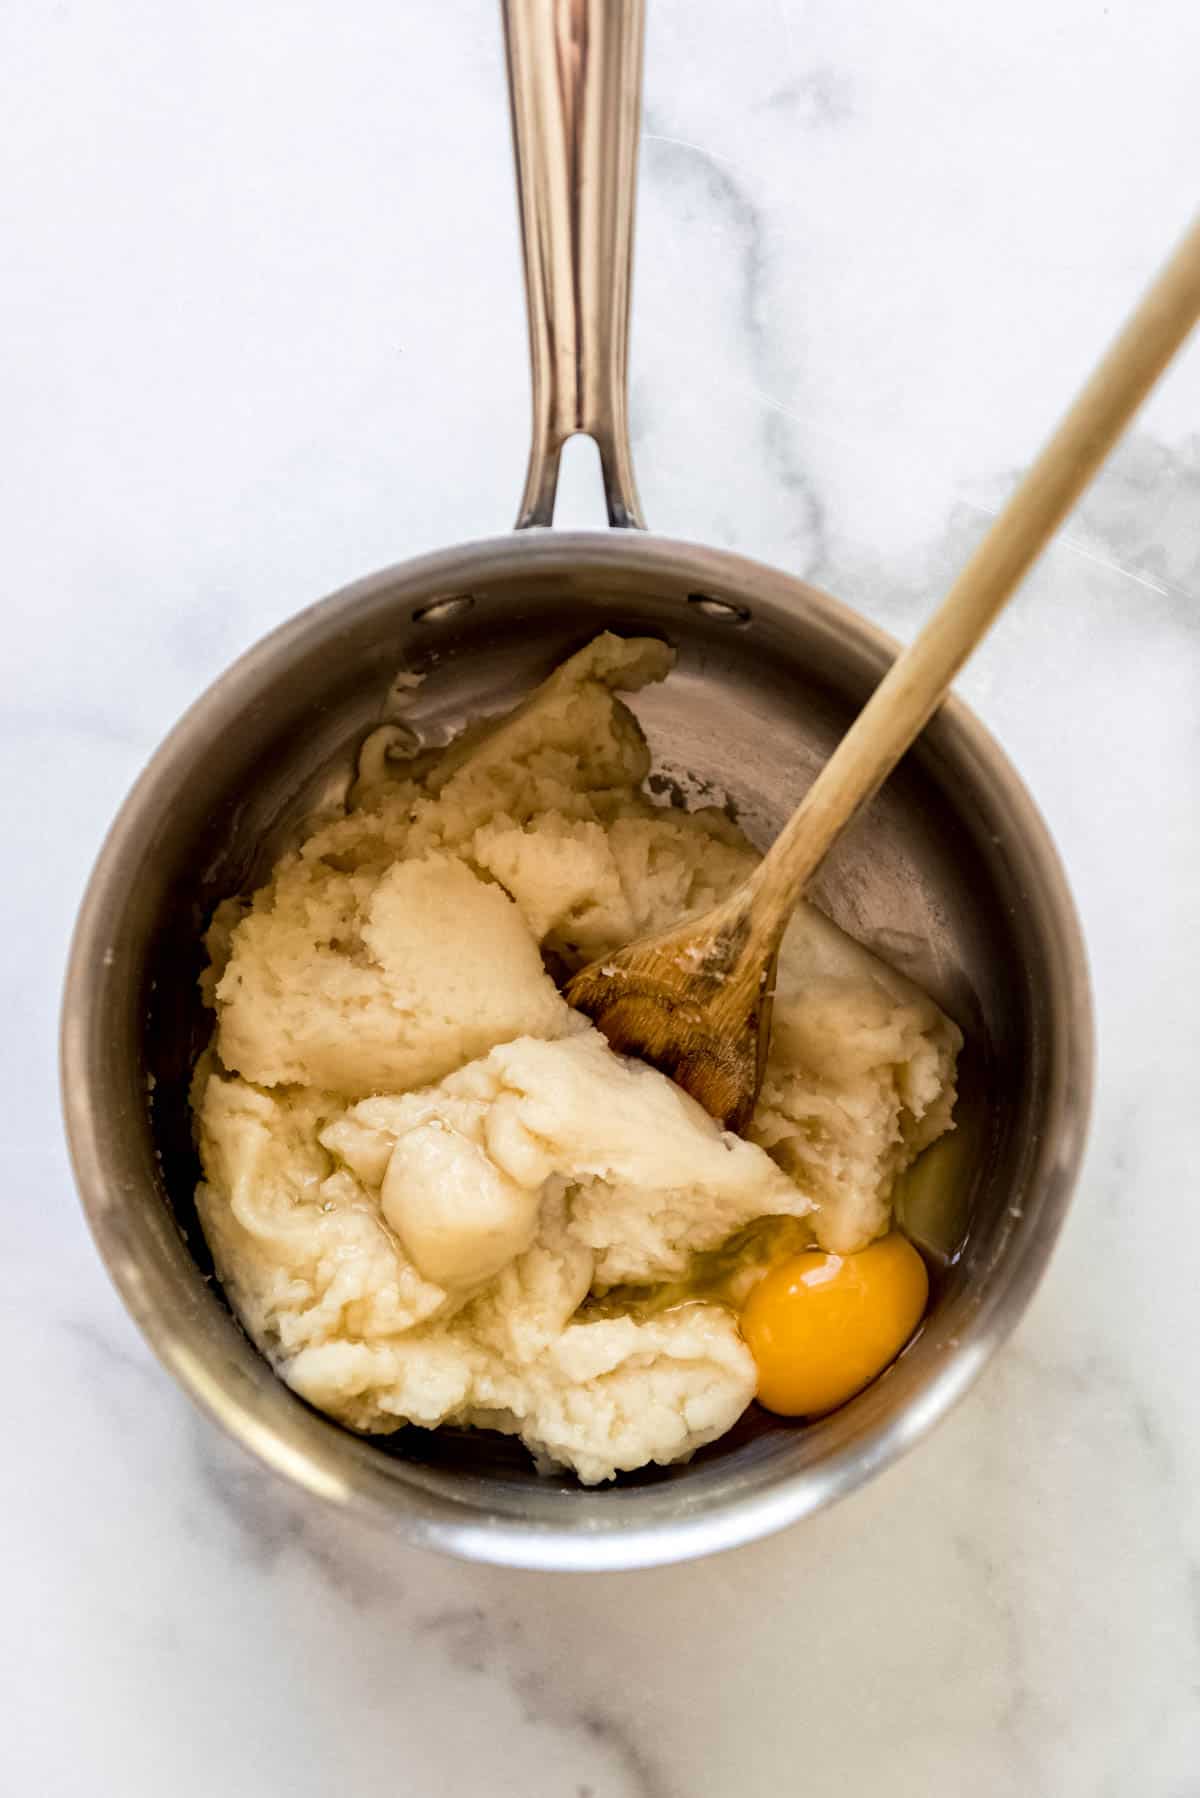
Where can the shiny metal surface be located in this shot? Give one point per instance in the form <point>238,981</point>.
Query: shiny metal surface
<point>575,90</point>
<point>950,873</point>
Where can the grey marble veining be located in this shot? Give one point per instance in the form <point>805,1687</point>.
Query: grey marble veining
<point>262,332</point>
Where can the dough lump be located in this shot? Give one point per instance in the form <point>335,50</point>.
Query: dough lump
<point>423,1172</point>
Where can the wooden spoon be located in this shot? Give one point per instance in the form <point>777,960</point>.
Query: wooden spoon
<point>696,1001</point>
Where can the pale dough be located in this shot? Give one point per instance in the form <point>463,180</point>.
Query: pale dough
<point>419,1164</point>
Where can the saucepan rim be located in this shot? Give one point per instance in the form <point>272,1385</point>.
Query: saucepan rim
<point>733,1519</point>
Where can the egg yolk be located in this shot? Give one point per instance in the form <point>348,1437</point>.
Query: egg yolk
<point>821,1327</point>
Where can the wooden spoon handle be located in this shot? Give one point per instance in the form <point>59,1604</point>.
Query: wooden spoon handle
<point>917,682</point>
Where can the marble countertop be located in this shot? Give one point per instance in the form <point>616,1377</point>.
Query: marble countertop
<point>262,331</point>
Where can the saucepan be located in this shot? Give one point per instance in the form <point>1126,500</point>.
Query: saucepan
<point>950,873</point>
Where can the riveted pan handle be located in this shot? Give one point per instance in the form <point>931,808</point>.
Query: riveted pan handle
<point>574,77</point>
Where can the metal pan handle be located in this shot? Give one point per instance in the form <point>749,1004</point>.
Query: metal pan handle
<point>574,81</point>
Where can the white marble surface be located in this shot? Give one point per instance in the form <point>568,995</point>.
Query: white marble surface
<point>261,331</point>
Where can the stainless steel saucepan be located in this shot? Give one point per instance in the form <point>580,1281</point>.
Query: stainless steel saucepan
<point>951,873</point>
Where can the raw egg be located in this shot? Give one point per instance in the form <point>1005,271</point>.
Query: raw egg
<point>821,1327</point>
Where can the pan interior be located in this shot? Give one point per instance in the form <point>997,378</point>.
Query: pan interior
<point>934,876</point>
